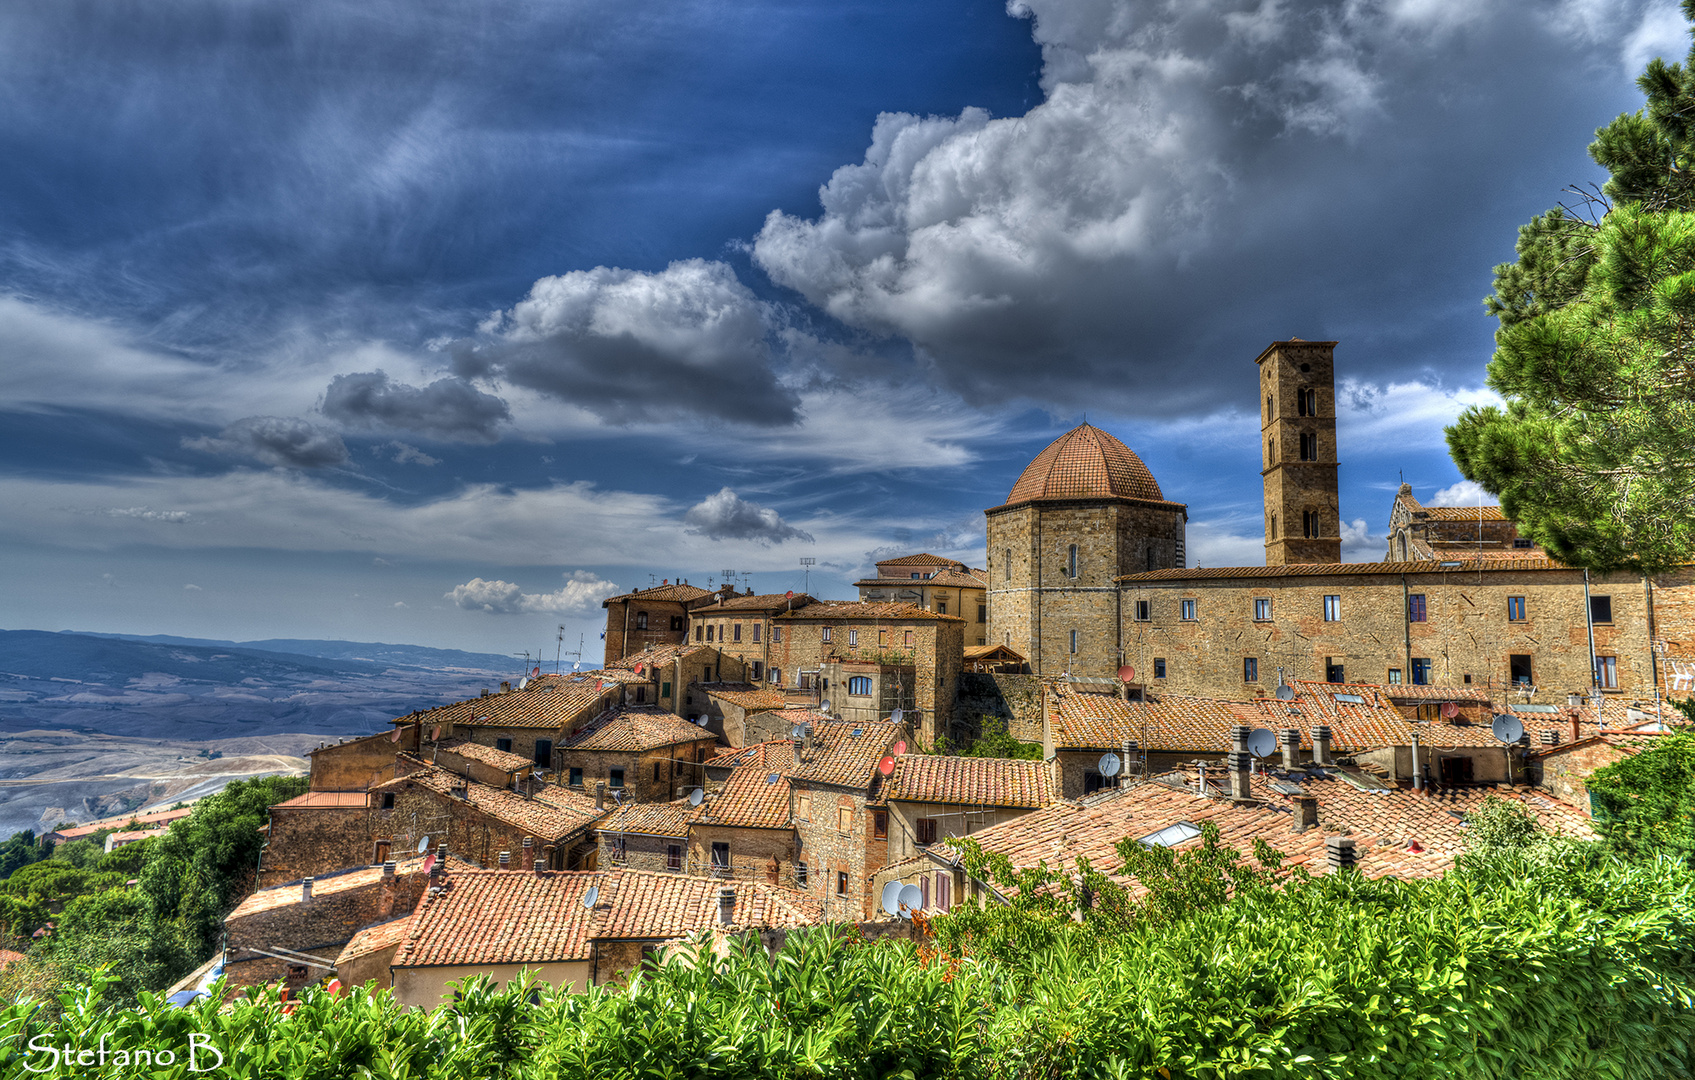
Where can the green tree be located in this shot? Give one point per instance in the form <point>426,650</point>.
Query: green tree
<point>1646,802</point>
<point>997,742</point>
<point>1594,453</point>
<point>21,850</point>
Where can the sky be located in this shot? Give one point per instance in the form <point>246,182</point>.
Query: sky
<point>438,323</point>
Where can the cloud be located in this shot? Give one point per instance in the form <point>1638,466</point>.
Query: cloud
<point>283,441</point>
<point>405,454</point>
<point>142,513</point>
<point>193,588</point>
<point>628,346</point>
<point>1200,178</point>
<point>1359,544</point>
<point>400,603</point>
<point>1463,493</point>
<point>449,408</point>
<point>727,516</point>
<point>581,592</point>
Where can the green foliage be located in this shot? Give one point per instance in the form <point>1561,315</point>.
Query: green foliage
<point>21,850</point>
<point>1594,454</point>
<point>1646,802</point>
<point>997,742</point>
<point>128,859</point>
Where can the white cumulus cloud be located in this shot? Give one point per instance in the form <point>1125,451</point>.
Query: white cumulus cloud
<point>727,516</point>
<point>581,592</point>
<point>1462,493</point>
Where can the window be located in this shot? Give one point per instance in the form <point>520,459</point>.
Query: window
<point>1606,672</point>
<point>615,779</point>
<point>803,805</point>
<point>917,577</point>
<point>1522,543</point>
<point>503,744</point>
<point>775,676</point>
<point>544,752</point>
<point>1151,559</point>
<point>1309,524</point>
<point>1187,610</point>
<point>880,824</point>
<point>709,633</point>
<point>1071,562</point>
<point>844,819</point>
<point>665,690</point>
<point>1159,667</point>
<point>776,635</point>
<point>882,639</point>
<point>1394,676</point>
<point>1415,607</point>
<point>656,772</point>
<point>1073,642</point>
<point>853,637</point>
<point>388,800</point>
<point>1333,608</point>
<point>826,635</point>
<point>1600,609</point>
<point>1515,609</point>
<point>756,628</point>
<point>1250,669</point>
<point>982,613</point>
<point>941,607</point>
<point>641,694</point>
<point>1333,670</point>
<point>720,857</point>
<point>1518,669</point>
<point>800,874</point>
<point>1271,451</point>
<point>1171,835</point>
<point>676,622</point>
<point>1262,609</point>
<point>641,620</point>
<point>615,848</point>
<point>841,882</point>
<point>860,686</point>
<point>1144,610</point>
<point>1006,565</point>
<point>926,830</point>
<point>944,890</point>
<point>909,639</point>
<point>1309,446</point>
<point>382,850</point>
<point>1094,781</point>
<point>1269,411</point>
<point>698,631</point>
<point>738,632</point>
<point>575,777</point>
<point>1421,671</point>
<point>758,670</point>
<point>924,892</point>
<point>1274,524</point>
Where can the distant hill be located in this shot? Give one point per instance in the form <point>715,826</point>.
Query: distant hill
<point>373,651</point>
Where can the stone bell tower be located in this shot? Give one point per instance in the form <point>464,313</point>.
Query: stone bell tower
<point>1297,385</point>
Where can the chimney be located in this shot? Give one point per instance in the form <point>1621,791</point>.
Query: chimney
<point>1239,737</point>
<point>306,890</point>
<point>506,860</point>
<point>505,687</point>
<point>1576,726</point>
<point>726,905</point>
<point>541,866</point>
<point>385,892</point>
<point>1241,769</point>
<point>1306,813</point>
<point>1418,777</point>
<point>388,870</point>
<point>1291,748</point>
<point>600,795</point>
<point>1321,745</point>
<point>529,849</point>
<point>1550,737</point>
<point>1339,853</point>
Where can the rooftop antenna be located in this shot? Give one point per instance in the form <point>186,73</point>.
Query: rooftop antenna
<point>559,651</point>
<point>807,562</point>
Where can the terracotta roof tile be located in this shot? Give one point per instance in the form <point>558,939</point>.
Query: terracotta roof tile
<point>1178,724</point>
<point>635,729</point>
<point>844,753</point>
<point>756,796</point>
<point>874,610</point>
<point>1494,561</point>
<point>948,579</point>
<point>658,656</point>
<point>677,593</point>
<point>745,696</point>
<point>1085,463</point>
<point>923,558</point>
<point>324,800</point>
<point>1407,692</point>
<point>488,755</point>
<point>159,819</point>
<point>1461,513</point>
<point>753,604</point>
<point>549,702</point>
<point>970,781</point>
<point>552,814</point>
<point>652,819</point>
<point>375,939</point>
<point>281,896</point>
<point>648,904</point>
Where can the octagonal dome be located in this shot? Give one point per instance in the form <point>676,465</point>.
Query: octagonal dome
<point>1085,463</point>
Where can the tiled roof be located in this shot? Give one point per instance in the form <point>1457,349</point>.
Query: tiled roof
<point>844,753</point>
<point>1628,743</point>
<point>1059,834</point>
<point>875,610</point>
<point>375,939</point>
<point>159,819</point>
<point>488,755</point>
<point>280,896</point>
<point>970,781</point>
<point>651,819</point>
<point>1552,814</point>
<point>1085,463</point>
<point>1472,565</point>
<point>745,696</point>
<point>549,702</point>
<point>756,796</point>
<point>992,652</point>
<point>1429,694</point>
<point>751,604</point>
<point>636,728</point>
<point>1178,724</point>
<point>923,558</point>
<point>678,593</point>
<point>948,579</point>
<point>553,813</point>
<point>658,656</point>
<point>324,800</point>
<point>494,917</point>
<point>1461,513</point>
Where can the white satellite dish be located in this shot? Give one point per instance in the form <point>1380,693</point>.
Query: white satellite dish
<point>797,732</point>
<point>1109,765</point>
<point>702,721</point>
<point>523,683</point>
<point>1261,742</point>
<point>1285,692</point>
<point>423,844</point>
<point>897,715</point>
<point>891,898</point>
<point>1508,728</point>
<point>823,706</point>
<point>696,797</point>
<point>591,896</point>
<point>911,899</point>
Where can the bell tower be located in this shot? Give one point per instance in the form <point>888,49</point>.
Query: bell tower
<point>1297,386</point>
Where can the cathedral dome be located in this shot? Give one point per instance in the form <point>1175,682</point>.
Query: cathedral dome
<point>1085,463</point>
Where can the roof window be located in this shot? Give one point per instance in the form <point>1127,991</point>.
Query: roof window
<point>1172,835</point>
<point>1351,699</point>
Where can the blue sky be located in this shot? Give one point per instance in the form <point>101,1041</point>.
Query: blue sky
<point>435,322</point>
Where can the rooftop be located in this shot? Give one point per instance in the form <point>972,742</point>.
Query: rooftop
<point>553,813</point>
<point>158,819</point>
<point>651,819</point>
<point>375,939</point>
<point>488,755</point>
<point>550,701</point>
<point>678,592</point>
<point>844,753</point>
<point>756,796</point>
<point>759,603</point>
<point>922,559</point>
<point>970,781</point>
<point>1084,463</point>
<point>324,800</point>
<point>745,696</point>
<point>635,728</point>
<point>873,610</point>
<point>1423,566</point>
<point>657,656</point>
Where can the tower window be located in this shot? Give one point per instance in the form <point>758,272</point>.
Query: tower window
<point>1274,524</point>
<point>1270,412</point>
<point>1144,610</point>
<point>1071,562</point>
<point>1073,642</point>
<point>1262,609</point>
<point>1309,446</point>
<point>1333,612</point>
<point>1151,558</point>
<point>1186,609</point>
<point>1307,402</point>
<point>1006,565</point>
<point>1271,451</point>
<point>1309,524</point>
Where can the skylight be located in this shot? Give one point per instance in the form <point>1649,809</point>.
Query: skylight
<point>1536,708</point>
<point>1351,699</point>
<point>1172,835</point>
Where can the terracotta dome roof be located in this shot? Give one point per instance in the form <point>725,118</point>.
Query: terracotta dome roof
<point>1085,463</point>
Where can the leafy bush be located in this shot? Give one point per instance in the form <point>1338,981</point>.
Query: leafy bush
<point>1646,803</point>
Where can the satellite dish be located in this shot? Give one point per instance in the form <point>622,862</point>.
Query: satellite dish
<point>1450,710</point>
<point>899,747</point>
<point>577,666</point>
<point>1285,692</point>
<point>797,732</point>
<point>1126,674</point>
<point>1261,742</point>
<point>523,683</point>
<point>1508,728</point>
<point>703,720</point>
<point>886,766</point>
<point>911,899</point>
<point>696,797</point>
<point>891,898</point>
<point>423,844</point>
<point>790,595</point>
<point>435,733</point>
<point>395,737</point>
<point>823,706</point>
<point>591,896</point>
<point>895,717</point>
<point>537,774</point>
<point>1109,765</point>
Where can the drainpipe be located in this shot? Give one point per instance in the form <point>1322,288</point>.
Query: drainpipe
<point>624,640</point>
<point>1653,661</point>
<point>1589,621</point>
<point>1406,622</point>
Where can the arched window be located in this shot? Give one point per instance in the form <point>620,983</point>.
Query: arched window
<point>1151,558</point>
<point>1270,413</point>
<point>1271,451</point>
<point>860,685</point>
<point>1071,562</point>
<point>1309,524</point>
<point>1403,540</point>
<point>1274,524</point>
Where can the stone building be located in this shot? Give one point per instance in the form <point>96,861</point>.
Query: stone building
<point>641,754</point>
<point>839,814</point>
<point>1563,769</point>
<point>646,836</point>
<point>317,833</point>
<point>1085,512</point>
<point>648,617</point>
<point>672,675</point>
<point>1303,519</point>
<point>1452,532</point>
<point>532,721</point>
<point>431,807</point>
<point>746,829</point>
<point>742,713</point>
<point>931,798</point>
<point>945,586</point>
<point>741,627</point>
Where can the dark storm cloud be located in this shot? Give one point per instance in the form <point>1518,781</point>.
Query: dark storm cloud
<point>285,441</point>
<point>728,516</point>
<point>446,409</point>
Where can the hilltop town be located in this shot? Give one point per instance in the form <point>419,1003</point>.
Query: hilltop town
<point>745,764</point>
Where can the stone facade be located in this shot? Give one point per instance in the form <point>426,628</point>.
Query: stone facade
<point>1450,532</point>
<point>648,617</point>
<point>286,919</point>
<point>1016,700</point>
<point>740,627</point>
<point>310,840</point>
<point>755,854</point>
<point>1297,386</point>
<point>658,775</point>
<point>844,842</point>
<point>945,586</point>
<point>641,851</point>
<point>359,763</point>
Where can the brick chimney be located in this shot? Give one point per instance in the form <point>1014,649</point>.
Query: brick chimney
<point>1339,853</point>
<point>529,850</point>
<point>1240,763</point>
<point>1306,813</point>
<point>1291,748</point>
<point>1321,745</point>
<point>306,891</point>
<point>600,795</point>
<point>385,892</point>
<point>726,905</point>
<point>506,860</point>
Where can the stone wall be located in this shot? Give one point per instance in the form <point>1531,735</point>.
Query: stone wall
<point>677,767</point>
<point>306,841</point>
<point>667,624</point>
<point>1293,486</point>
<point>469,833</point>
<point>934,647</point>
<point>356,765</point>
<point>951,820</point>
<point>1014,699</point>
<point>829,849</point>
<point>755,854</point>
<point>1563,773</point>
<point>641,852</point>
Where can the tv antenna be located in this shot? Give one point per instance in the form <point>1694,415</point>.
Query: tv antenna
<point>559,650</point>
<point>807,562</point>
